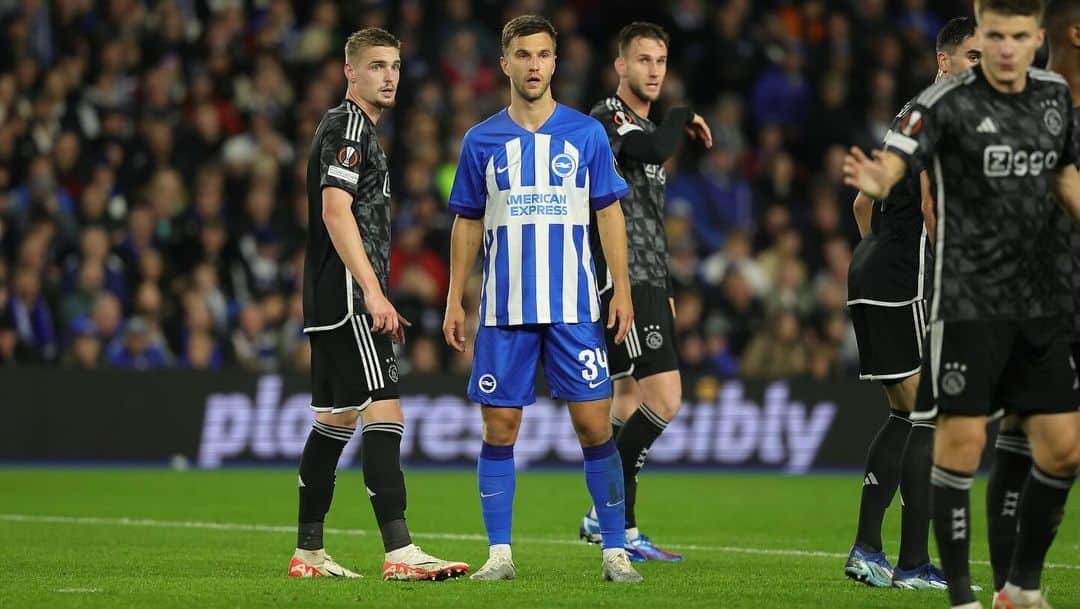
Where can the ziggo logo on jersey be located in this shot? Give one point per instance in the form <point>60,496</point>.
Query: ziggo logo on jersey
<point>1001,161</point>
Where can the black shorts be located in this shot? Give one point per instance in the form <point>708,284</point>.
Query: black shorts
<point>997,368</point>
<point>891,340</point>
<point>649,348</point>
<point>351,367</point>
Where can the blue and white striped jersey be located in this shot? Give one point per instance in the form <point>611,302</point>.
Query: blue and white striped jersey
<point>534,192</point>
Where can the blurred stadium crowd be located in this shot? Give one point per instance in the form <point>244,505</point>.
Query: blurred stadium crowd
<point>153,158</point>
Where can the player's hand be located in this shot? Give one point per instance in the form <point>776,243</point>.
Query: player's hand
<point>621,313</point>
<point>399,335</point>
<point>866,173</point>
<point>384,317</point>
<point>698,129</point>
<point>454,326</point>
<point>671,301</point>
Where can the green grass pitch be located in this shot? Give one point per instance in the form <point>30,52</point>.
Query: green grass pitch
<point>145,538</point>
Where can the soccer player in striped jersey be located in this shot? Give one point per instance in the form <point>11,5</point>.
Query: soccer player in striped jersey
<point>526,182</point>
<point>351,323</point>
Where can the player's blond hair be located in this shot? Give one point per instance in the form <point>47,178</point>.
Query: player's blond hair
<point>368,37</point>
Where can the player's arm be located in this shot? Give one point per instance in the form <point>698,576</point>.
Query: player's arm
<point>340,165</point>
<point>863,208</point>
<point>928,213</point>
<point>465,238</point>
<point>349,244</point>
<point>1067,186</point>
<point>907,148</point>
<point>873,175</point>
<point>658,146</point>
<point>468,200</point>
<point>611,225</point>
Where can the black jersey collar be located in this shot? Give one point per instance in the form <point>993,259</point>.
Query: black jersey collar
<point>631,110</point>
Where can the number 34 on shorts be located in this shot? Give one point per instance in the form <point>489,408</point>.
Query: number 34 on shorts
<point>573,357</point>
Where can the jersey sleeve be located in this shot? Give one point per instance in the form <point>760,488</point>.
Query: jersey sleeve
<point>606,185</point>
<point>617,125</point>
<point>339,160</point>
<point>468,195</point>
<point>916,134</point>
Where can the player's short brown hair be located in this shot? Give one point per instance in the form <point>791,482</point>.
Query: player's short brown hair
<point>369,37</point>
<point>526,25</point>
<point>1021,8</point>
<point>641,29</point>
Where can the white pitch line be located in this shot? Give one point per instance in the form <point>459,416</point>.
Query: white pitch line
<point>274,528</point>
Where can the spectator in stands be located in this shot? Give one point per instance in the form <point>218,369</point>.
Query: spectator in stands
<point>79,299</point>
<point>781,94</point>
<point>94,251</point>
<point>140,347</point>
<point>204,280</point>
<point>785,251</point>
<point>714,197</point>
<point>29,315</point>
<point>736,254</point>
<point>85,351</point>
<point>201,352</point>
<point>139,236</point>
<point>741,309</point>
<point>107,317</point>
<point>8,338</point>
<point>253,344</point>
<point>778,351</point>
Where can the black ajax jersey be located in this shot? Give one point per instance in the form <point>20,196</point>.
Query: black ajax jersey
<point>890,267</point>
<point>345,154</point>
<point>1067,261</point>
<point>993,159</point>
<point>647,248</point>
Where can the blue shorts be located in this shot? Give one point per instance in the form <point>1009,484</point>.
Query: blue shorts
<point>504,363</point>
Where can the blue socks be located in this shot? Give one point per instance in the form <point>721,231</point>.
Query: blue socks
<point>495,470</point>
<point>604,477</point>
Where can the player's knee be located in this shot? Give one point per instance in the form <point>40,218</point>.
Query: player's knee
<point>591,430</point>
<point>593,435</point>
<point>960,440</point>
<point>902,395</point>
<point>1061,460</point>
<point>500,430</point>
<point>668,407</point>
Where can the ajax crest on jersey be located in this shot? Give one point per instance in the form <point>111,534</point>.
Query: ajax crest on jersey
<point>1054,122</point>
